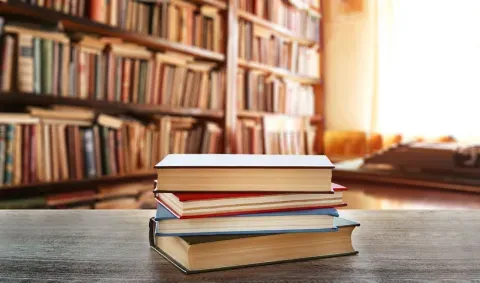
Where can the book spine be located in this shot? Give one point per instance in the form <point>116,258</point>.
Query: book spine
<point>72,88</point>
<point>55,68</point>
<point>83,75</point>
<point>2,152</point>
<point>47,153</point>
<point>37,66</point>
<point>127,66</point>
<point>54,151</point>
<point>25,63</point>
<point>47,61</point>
<point>81,8</point>
<point>26,154</point>
<point>118,79</point>
<point>63,155</point>
<point>112,154</point>
<point>119,152</point>
<point>78,154</point>
<point>71,152</point>
<point>105,151</point>
<point>88,144</point>
<point>66,6</point>
<point>33,154</point>
<point>99,78</point>
<point>91,75</point>
<point>17,156</point>
<point>98,156</point>
<point>143,82</point>
<point>7,63</point>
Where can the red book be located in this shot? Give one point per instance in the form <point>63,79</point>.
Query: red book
<point>199,205</point>
<point>97,10</point>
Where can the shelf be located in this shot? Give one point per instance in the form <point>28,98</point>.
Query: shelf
<point>276,28</point>
<point>259,114</point>
<point>195,112</point>
<point>76,24</point>
<point>105,106</point>
<point>72,185</point>
<point>278,71</point>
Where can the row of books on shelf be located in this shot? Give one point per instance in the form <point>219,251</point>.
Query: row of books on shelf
<point>78,8</point>
<point>275,134</point>
<point>49,63</point>
<point>175,20</point>
<point>261,45</point>
<point>65,143</point>
<point>258,91</point>
<point>285,14</point>
<point>133,195</point>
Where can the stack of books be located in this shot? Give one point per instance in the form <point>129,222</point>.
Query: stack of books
<point>228,211</point>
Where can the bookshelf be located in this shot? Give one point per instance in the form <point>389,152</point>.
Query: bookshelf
<point>182,117</point>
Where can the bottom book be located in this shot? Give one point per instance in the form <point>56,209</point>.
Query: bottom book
<point>194,254</point>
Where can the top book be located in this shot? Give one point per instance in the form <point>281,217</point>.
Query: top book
<point>244,173</point>
<point>244,160</point>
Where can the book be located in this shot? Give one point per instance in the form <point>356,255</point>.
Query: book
<point>244,172</point>
<point>3,142</point>
<point>40,54</point>
<point>258,92</point>
<point>301,221</point>
<point>194,254</point>
<point>195,205</point>
<point>291,15</point>
<point>262,45</point>
<point>250,137</point>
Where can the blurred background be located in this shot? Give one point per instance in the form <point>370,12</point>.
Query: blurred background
<point>94,93</point>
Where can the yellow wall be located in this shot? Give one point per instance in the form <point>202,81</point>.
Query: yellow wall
<point>349,65</point>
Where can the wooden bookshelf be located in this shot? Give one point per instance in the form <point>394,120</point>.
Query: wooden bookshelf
<point>227,61</point>
<point>15,98</point>
<point>70,185</point>
<point>73,24</point>
<point>275,28</point>
<point>278,72</point>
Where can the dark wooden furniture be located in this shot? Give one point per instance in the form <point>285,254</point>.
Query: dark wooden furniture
<point>75,26</point>
<point>92,246</point>
<point>352,171</point>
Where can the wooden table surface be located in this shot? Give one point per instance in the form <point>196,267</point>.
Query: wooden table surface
<point>112,246</point>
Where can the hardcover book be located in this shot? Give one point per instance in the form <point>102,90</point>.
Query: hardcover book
<point>205,204</point>
<point>196,254</point>
<point>244,172</point>
<point>313,220</point>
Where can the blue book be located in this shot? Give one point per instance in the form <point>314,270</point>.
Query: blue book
<point>314,220</point>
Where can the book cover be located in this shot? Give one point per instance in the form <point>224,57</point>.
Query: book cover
<point>338,222</point>
<point>164,214</point>
<point>207,195</point>
<point>25,63</point>
<point>244,161</point>
<point>3,135</point>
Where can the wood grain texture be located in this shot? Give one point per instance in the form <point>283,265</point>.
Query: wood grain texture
<point>112,246</point>
<point>7,99</point>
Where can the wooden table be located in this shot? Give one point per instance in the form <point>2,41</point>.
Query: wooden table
<point>113,246</point>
